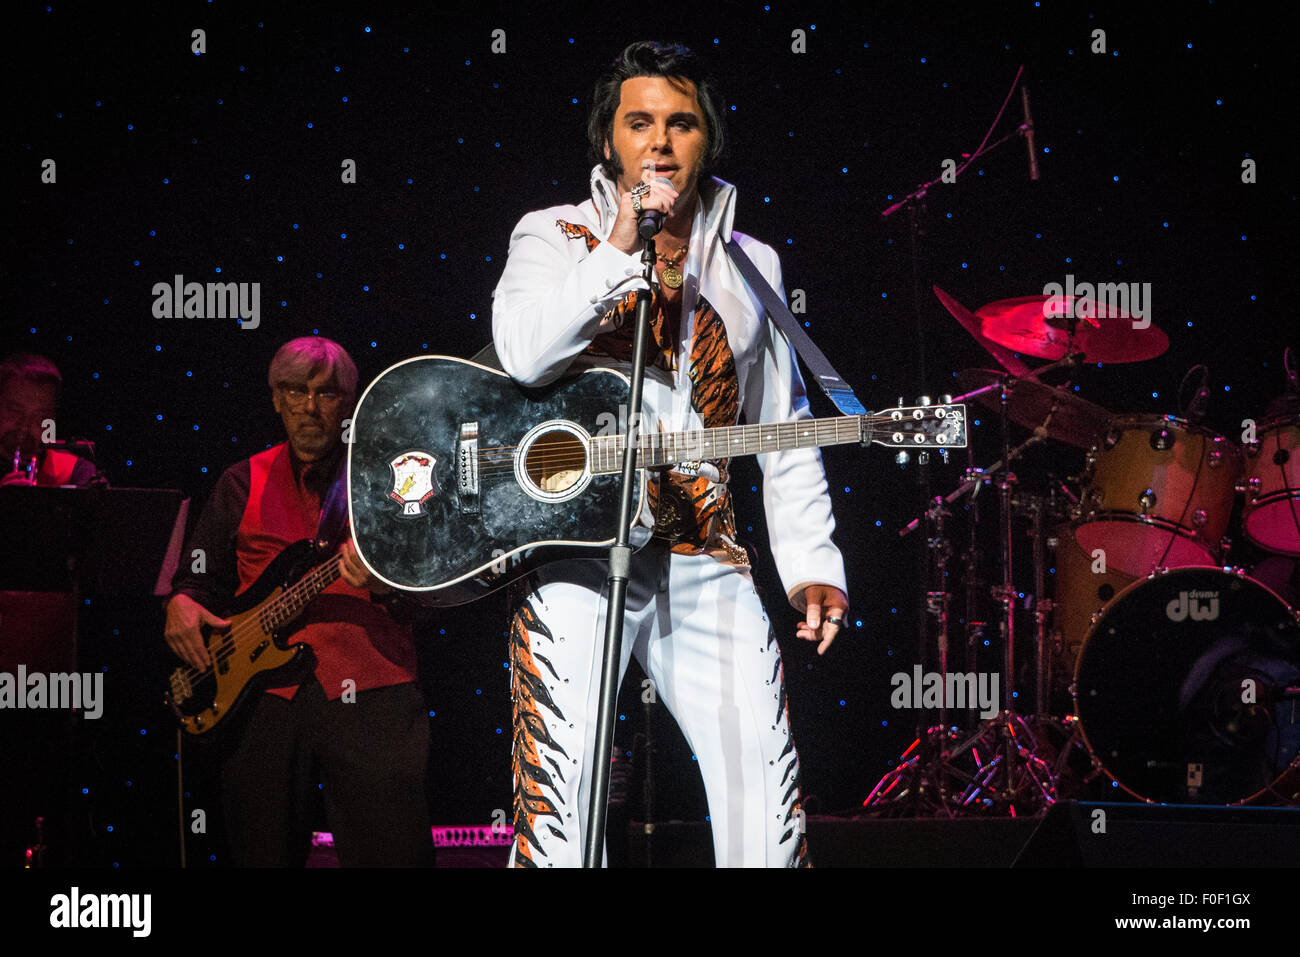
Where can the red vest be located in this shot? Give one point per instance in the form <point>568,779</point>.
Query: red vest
<point>353,637</point>
<point>56,468</point>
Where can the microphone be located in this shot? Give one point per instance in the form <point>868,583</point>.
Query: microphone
<point>650,221</point>
<point>1028,130</point>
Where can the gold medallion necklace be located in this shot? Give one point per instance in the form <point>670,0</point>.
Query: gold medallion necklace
<point>671,275</point>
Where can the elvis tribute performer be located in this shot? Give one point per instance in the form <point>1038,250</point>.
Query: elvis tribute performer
<point>567,300</point>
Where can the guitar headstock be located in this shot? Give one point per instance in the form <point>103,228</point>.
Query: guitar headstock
<point>917,427</point>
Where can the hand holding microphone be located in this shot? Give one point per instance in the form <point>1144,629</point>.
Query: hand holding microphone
<point>642,211</point>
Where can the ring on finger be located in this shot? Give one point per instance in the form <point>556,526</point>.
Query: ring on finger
<point>640,189</point>
<point>835,620</point>
<point>636,203</point>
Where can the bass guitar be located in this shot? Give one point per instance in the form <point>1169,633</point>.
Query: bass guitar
<point>252,653</point>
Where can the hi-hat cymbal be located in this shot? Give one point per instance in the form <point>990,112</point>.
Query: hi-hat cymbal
<point>1065,416</point>
<point>1040,326</point>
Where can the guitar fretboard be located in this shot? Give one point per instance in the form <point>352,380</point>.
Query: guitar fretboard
<point>290,603</point>
<point>668,448</point>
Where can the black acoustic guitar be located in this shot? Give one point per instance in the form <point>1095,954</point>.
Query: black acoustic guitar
<point>460,480</point>
<point>252,654</point>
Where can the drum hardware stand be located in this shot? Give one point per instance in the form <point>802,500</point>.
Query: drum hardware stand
<point>973,560</point>
<point>915,205</point>
<point>1015,768</point>
<point>1015,773</point>
<point>935,754</point>
<point>1042,608</point>
<point>925,768</point>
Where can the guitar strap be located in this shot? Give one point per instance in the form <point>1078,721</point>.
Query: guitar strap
<point>836,389</point>
<point>487,356</point>
<point>333,511</point>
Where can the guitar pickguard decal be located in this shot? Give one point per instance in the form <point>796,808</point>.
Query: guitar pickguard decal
<point>413,481</point>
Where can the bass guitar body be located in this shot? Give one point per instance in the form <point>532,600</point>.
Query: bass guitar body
<point>252,654</point>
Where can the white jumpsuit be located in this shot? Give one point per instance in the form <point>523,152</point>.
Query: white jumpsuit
<point>693,618</point>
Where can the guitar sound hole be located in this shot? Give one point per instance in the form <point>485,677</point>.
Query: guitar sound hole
<point>555,461</point>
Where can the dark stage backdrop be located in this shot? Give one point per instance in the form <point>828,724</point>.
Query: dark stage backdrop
<point>228,165</point>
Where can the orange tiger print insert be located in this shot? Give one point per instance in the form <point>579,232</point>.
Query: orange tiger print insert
<point>574,231</point>
<point>618,324</point>
<point>696,514</point>
<point>700,513</point>
<point>532,780</point>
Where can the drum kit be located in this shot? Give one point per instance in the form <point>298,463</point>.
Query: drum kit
<point>1158,668</point>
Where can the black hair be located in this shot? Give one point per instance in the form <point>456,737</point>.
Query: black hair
<point>674,63</point>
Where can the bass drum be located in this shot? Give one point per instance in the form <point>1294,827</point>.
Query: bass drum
<point>1188,690</point>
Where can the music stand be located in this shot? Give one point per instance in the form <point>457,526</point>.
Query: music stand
<point>110,541</point>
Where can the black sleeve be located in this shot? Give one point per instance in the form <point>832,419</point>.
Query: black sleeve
<point>218,578</point>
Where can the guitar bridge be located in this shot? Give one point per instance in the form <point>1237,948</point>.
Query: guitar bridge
<point>467,467</point>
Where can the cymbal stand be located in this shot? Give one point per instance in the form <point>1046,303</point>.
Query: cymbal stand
<point>1014,779</point>
<point>1042,607</point>
<point>1005,749</point>
<point>926,779</point>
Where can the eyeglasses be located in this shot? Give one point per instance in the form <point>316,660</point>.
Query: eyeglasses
<point>297,398</point>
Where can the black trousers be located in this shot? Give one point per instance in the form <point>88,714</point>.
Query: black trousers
<point>369,755</point>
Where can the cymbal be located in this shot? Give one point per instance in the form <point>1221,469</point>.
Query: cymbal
<point>967,319</point>
<point>1067,417</point>
<point>1040,326</point>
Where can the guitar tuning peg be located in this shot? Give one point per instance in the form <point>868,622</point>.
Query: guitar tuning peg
<point>923,400</point>
<point>943,454</point>
<point>900,401</point>
<point>946,399</point>
<point>901,459</point>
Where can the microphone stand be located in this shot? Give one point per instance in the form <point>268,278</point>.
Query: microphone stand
<point>620,561</point>
<point>926,778</point>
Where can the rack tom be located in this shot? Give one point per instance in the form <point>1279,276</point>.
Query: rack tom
<point>1159,495</point>
<point>1271,516</point>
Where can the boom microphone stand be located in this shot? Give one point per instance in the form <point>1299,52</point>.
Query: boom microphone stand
<point>923,775</point>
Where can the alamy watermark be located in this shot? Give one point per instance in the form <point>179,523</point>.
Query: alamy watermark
<point>214,300</point>
<point>77,910</point>
<point>58,690</point>
<point>1087,301</point>
<point>959,691</point>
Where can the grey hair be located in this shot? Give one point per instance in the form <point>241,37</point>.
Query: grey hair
<point>299,360</point>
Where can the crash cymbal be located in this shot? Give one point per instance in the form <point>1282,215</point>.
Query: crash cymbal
<point>1067,417</point>
<point>971,324</point>
<point>1040,326</point>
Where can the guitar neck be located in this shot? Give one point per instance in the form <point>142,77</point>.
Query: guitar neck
<point>668,448</point>
<point>928,426</point>
<point>289,604</point>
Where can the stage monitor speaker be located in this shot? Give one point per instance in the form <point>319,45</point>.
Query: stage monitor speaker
<point>1085,834</point>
